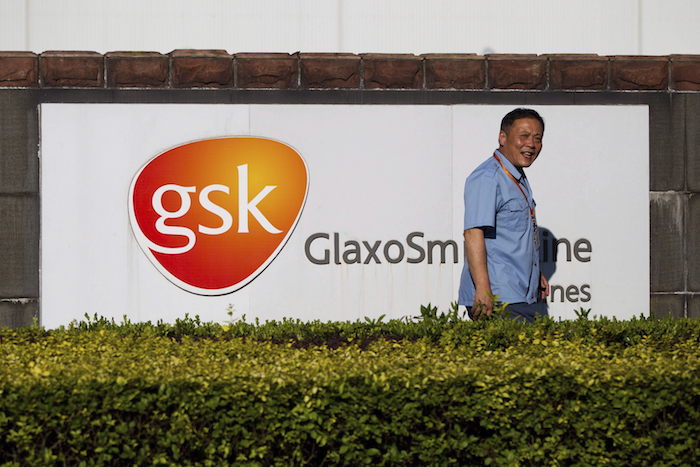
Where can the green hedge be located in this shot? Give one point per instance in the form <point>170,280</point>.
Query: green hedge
<point>430,391</point>
<point>449,327</point>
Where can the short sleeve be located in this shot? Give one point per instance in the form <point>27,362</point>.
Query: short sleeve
<point>480,201</point>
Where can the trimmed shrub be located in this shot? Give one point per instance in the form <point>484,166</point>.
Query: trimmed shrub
<point>427,392</point>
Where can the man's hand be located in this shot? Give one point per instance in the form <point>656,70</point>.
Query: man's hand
<point>483,304</point>
<point>544,287</point>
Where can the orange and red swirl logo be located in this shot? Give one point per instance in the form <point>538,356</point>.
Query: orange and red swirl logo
<point>212,214</point>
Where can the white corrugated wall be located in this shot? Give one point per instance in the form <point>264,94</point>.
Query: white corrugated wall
<point>606,27</point>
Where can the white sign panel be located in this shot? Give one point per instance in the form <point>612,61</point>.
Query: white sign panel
<point>380,232</point>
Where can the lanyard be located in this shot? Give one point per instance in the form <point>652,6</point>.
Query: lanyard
<point>515,180</point>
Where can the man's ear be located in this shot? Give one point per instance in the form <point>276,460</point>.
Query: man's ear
<point>501,138</point>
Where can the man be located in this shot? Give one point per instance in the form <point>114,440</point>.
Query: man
<point>500,228</point>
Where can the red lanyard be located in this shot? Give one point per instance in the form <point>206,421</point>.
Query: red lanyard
<point>515,180</point>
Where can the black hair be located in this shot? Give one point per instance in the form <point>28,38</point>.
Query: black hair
<point>517,114</point>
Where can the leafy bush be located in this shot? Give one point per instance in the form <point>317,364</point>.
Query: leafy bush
<point>448,327</point>
<point>435,390</point>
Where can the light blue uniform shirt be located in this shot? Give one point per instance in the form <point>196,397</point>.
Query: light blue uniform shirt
<point>493,202</point>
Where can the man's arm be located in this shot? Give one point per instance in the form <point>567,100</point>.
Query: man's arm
<point>475,246</point>
<point>544,287</point>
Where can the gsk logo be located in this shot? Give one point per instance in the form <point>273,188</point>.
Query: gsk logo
<point>211,215</point>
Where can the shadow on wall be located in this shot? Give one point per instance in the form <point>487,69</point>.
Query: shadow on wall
<point>548,264</point>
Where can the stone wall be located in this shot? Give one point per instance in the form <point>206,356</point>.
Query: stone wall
<point>189,69</point>
<point>670,85</point>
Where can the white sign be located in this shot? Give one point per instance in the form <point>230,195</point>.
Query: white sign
<point>381,229</point>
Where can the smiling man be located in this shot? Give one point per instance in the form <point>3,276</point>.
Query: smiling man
<point>500,227</point>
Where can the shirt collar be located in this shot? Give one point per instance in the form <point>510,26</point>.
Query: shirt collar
<point>518,174</point>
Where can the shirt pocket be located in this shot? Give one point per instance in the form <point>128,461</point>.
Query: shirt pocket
<point>514,215</point>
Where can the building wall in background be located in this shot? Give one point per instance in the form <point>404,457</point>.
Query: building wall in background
<point>669,86</point>
<point>620,27</point>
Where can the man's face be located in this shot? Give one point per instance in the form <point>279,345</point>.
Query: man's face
<point>522,143</point>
